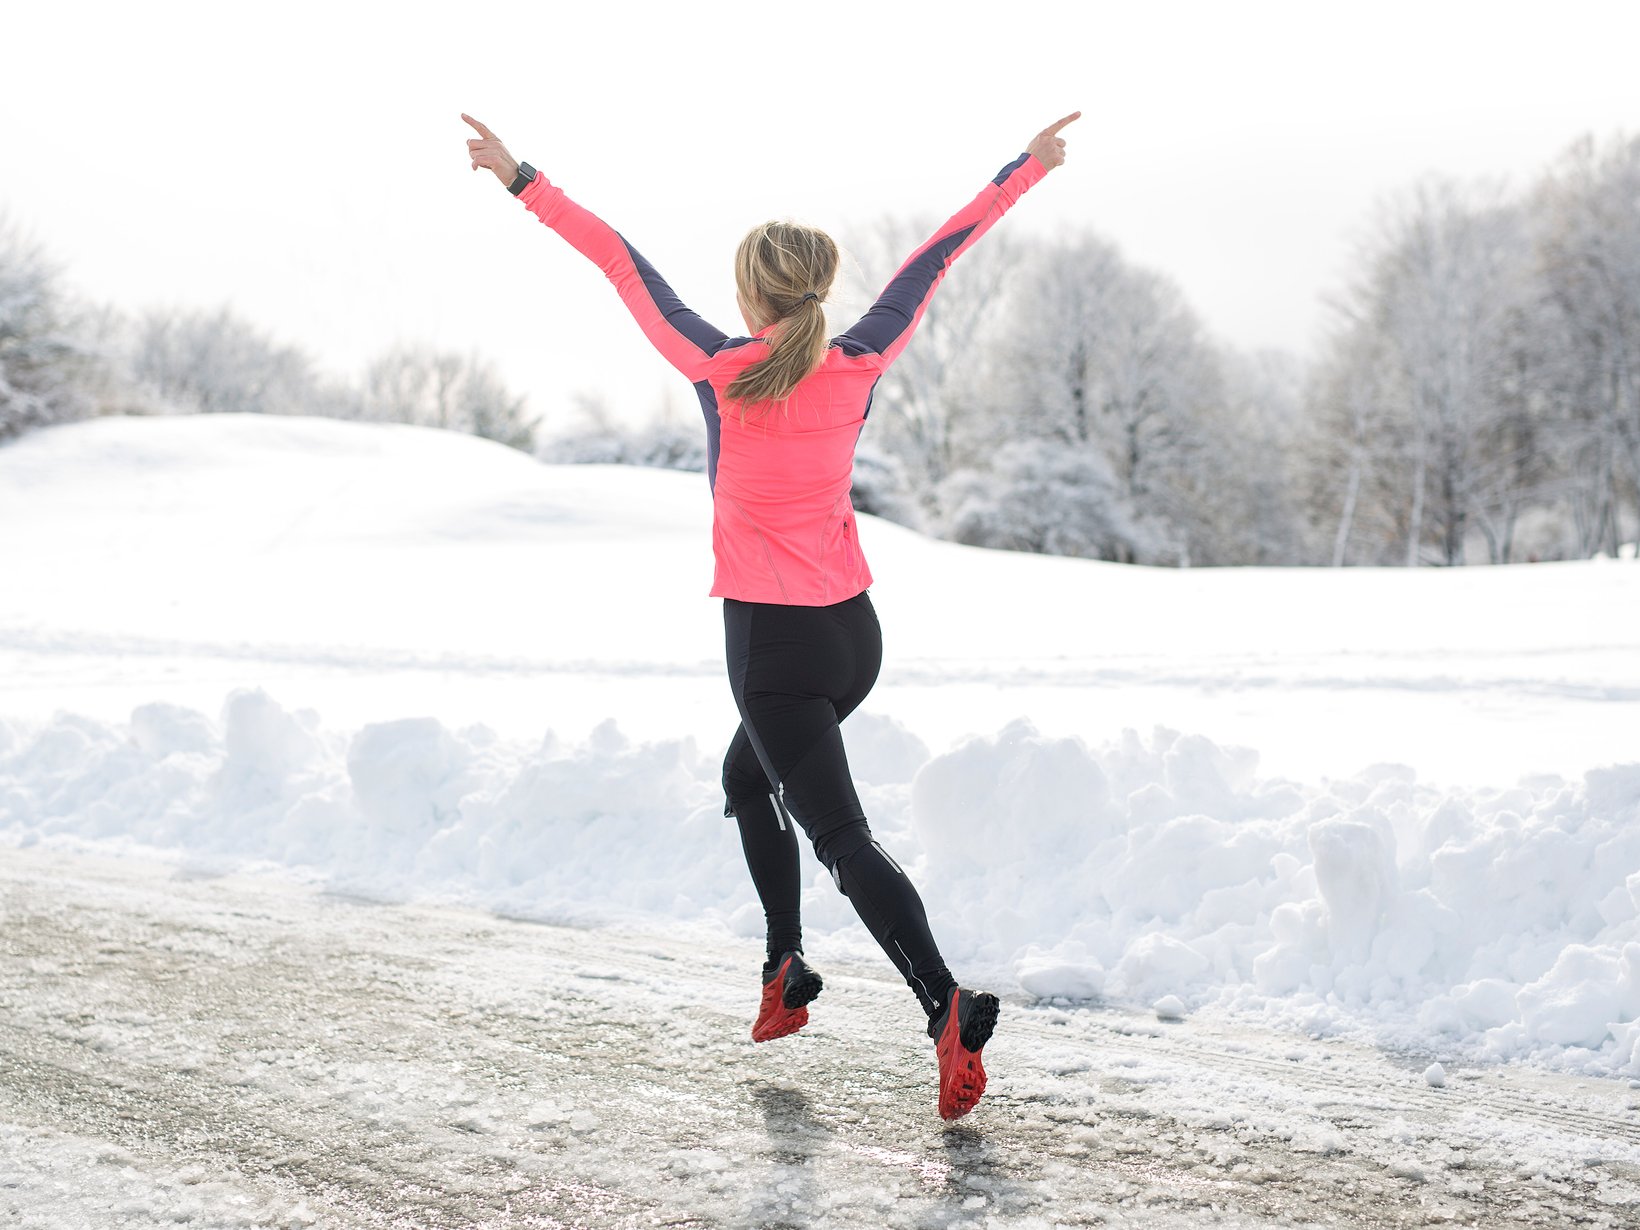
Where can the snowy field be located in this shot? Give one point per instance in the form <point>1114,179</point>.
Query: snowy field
<point>1358,808</point>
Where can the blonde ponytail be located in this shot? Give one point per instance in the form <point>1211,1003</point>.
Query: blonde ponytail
<point>784,271</point>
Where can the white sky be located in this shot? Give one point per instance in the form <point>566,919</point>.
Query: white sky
<point>305,162</point>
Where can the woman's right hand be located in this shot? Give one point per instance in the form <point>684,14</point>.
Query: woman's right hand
<point>488,152</point>
<point>1047,146</point>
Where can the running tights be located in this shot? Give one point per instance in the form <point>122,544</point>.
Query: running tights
<point>796,672</point>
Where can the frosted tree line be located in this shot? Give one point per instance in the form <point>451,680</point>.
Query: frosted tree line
<point>1480,397</point>
<point>61,360</point>
<point>1431,381</point>
<point>1477,397</point>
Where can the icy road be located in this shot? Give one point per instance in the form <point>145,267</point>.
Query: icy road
<point>179,1048</point>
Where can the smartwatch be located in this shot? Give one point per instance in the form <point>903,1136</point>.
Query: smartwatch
<point>525,177</point>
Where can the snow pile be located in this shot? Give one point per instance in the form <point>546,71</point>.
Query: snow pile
<point>1506,921</point>
<point>399,808</point>
<point>1160,870</point>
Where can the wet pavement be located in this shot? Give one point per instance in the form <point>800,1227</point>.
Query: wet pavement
<point>187,1049</point>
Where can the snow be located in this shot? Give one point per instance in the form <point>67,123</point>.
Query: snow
<point>1169,1008</point>
<point>411,665</point>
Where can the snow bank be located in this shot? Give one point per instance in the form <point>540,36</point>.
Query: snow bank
<point>397,809</point>
<point>1501,922</point>
<point>1493,923</point>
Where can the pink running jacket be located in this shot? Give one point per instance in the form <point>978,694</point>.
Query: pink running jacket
<point>783,529</point>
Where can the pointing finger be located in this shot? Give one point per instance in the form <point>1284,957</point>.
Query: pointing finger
<point>481,129</point>
<point>1053,129</point>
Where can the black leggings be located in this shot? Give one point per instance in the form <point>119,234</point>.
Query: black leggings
<point>796,672</point>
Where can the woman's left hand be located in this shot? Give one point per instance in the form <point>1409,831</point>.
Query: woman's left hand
<point>488,152</point>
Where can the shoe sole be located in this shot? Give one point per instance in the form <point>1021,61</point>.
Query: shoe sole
<point>782,1026</point>
<point>960,1091</point>
<point>795,997</point>
<point>802,990</point>
<point>981,1022</point>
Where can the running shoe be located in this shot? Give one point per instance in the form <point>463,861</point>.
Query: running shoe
<point>787,990</point>
<point>959,1033</point>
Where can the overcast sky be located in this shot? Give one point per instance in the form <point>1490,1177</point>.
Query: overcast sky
<point>305,162</point>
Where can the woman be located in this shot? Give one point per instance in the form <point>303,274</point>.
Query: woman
<point>784,407</point>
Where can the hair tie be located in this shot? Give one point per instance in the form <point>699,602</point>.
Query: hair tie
<point>806,298</point>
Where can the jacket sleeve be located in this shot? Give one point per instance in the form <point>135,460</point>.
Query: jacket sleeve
<point>685,339</point>
<point>886,328</point>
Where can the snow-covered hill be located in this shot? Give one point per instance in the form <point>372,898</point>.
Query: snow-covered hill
<point>423,665</point>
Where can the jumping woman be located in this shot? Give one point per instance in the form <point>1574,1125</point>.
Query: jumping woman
<point>784,408</point>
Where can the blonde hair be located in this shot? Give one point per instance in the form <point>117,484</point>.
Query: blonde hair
<point>784,272</point>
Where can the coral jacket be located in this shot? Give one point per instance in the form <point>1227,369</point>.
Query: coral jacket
<point>783,529</point>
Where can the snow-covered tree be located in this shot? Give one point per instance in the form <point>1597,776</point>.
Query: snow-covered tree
<point>1242,503</point>
<point>671,441</point>
<point>1589,257</point>
<point>216,362</point>
<point>433,388</point>
<point>43,360</point>
<point>1349,448</point>
<point>934,383</point>
<point>1104,358</point>
<point>1432,430</point>
<point>1039,496</point>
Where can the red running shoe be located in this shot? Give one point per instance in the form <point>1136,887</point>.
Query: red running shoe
<point>959,1033</point>
<point>787,990</point>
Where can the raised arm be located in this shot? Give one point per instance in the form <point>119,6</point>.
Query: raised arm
<point>887,327</point>
<point>685,339</point>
